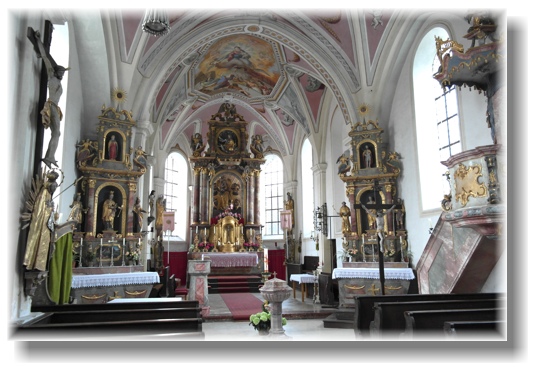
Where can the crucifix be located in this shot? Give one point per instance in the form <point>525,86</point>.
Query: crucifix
<point>379,214</point>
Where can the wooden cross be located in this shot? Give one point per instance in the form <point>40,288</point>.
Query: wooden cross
<point>377,207</point>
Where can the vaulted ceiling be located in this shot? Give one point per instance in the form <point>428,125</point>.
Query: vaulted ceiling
<point>288,72</point>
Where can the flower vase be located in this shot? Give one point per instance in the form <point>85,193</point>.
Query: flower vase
<point>263,331</point>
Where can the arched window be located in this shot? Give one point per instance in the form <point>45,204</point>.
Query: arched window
<point>176,192</point>
<point>437,121</point>
<point>272,195</point>
<point>308,203</point>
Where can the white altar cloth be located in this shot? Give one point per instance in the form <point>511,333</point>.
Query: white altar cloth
<point>110,280</point>
<point>303,278</point>
<point>231,260</point>
<point>373,273</point>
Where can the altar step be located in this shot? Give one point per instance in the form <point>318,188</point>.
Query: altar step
<point>234,283</point>
<point>342,318</point>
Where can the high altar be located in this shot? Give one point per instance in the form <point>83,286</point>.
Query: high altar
<point>225,215</point>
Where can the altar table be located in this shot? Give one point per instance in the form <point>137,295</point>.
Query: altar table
<point>107,280</point>
<point>231,260</point>
<point>373,273</point>
<point>366,281</point>
<point>303,279</point>
<point>99,288</point>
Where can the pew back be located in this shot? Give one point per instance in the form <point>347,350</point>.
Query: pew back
<point>458,329</point>
<point>389,316</point>
<point>364,312</point>
<point>432,321</point>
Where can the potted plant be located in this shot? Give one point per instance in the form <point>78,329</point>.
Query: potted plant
<point>133,257</point>
<point>90,256</point>
<point>261,320</point>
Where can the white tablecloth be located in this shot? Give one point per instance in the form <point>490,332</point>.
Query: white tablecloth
<point>303,278</point>
<point>106,280</point>
<point>231,260</point>
<point>373,273</point>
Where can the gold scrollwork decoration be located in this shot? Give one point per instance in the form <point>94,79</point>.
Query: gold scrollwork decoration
<point>353,288</point>
<point>93,297</point>
<point>467,183</point>
<point>389,288</point>
<point>135,294</point>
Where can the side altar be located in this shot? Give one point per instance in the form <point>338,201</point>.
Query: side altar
<point>225,210</point>
<point>375,257</point>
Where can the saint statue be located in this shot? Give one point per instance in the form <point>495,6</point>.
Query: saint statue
<point>345,214</point>
<point>76,211</point>
<point>289,205</point>
<point>109,211</point>
<point>112,148</point>
<point>138,214</point>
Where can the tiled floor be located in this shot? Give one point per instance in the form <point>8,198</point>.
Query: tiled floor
<point>304,322</point>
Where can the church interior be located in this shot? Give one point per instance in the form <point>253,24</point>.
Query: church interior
<point>308,158</point>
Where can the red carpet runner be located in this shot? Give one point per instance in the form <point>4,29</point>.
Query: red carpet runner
<point>242,305</point>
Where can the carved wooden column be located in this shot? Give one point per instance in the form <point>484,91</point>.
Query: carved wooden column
<point>195,196</point>
<point>388,200</point>
<point>90,226</point>
<point>257,180</point>
<point>132,191</point>
<point>204,201</point>
<point>249,200</point>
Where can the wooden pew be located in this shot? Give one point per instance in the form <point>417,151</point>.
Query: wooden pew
<point>134,328</point>
<point>389,316</point>
<point>364,312</point>
<point>146,317</point>
<point>459,329</point>
<point>142,303</point>
<point>431,322</point>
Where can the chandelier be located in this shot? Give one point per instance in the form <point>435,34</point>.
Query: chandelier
<point>156,22</point>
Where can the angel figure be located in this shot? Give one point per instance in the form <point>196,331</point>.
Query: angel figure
<point>344,165</point>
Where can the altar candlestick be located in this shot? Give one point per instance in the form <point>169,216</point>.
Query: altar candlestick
<point>101,245</point>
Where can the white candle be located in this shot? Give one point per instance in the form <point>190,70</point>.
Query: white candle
<point>81,242</point>
<point>196,229</point>
<point>363,239</point>
<point>124,242</point>
<point>139,241</point>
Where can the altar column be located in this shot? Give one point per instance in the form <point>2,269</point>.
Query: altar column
<point>388,200</point>
<point>203,196</point>
<point>257,180</point>
<point>195,196</point>
<point>90,225</point>
<point>132,191</point>
<point>249,200</point>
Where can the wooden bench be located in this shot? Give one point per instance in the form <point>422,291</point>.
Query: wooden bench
<point>458,329</point>
<point>389,316</point>
<point>144,316</point>
<point>364,312</point>
<point>47,326</point>
<point>141,304</point>
<point>431,322</point>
